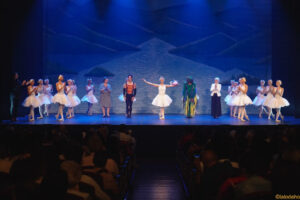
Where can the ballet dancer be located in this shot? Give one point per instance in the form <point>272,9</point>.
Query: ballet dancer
<point>242,100</point>
<point>32,101</point>
<point>162,100</point>
<point>48,89</point>
<point>60,98</point>
<point>72,97</point>
<point>215,90</point>
<point>260,98</point>
<point>105,97</point>
<point>267,102</point>
<point>278,101</point>
<point>41,97</point>
<point>129,93</point>
<point>232,102</point>
<point>229,96</point>
<point>89,97</point>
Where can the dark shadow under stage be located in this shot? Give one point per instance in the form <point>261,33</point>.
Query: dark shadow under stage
<point>171,120</point>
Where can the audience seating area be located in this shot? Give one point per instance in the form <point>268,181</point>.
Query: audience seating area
<point>73,163</point>
<point>228,163</point>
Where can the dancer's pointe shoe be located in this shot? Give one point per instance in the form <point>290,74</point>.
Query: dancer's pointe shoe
<point>242,120</point>
<point>61,119</point>
<point>247,118</point>
<point>69,117</point>
<point>277,121</point>
<point>40,117</point>
<point>31,119</point>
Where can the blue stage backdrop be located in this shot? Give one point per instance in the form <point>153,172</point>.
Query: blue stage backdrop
<point>149,39</point>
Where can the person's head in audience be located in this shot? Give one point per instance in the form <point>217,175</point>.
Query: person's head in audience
<point>209,158</point>
<point>73,171</point>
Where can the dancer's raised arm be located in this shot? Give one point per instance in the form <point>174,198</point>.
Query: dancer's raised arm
<point>149,83</point>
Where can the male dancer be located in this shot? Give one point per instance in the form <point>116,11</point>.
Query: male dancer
<point>15,93</point>
<point>129,92</point>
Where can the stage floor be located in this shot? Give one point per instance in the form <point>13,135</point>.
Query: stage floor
<point>81,119</point>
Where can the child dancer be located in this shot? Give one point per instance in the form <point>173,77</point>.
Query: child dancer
<point>90,97</point>
<point>48,89</point>
<point>260,98</point>
<point>60,97</point>
<point>31,101</point>
<point>162,100</point>
<point>41,96</point>
<point>269,91</point>
<point>231,102</point>
<point>278,101</point>
<point>73,99</point>
<point>129,93</point>
<point>242,100</point>
<point>229,96</point>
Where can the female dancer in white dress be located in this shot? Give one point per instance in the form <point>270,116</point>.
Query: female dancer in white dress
<point>72,97</point>
<point>48,89</point>
<point>41,96</point>
<point>242,99</point>
<point>234,93</point>
<point>260,98</point>
<point>162,100</point>
<point>31,101</point>
<point>90,97</point>
<point>278,101</point>
<point>269,91</point>
<point>60,97</point>
<point>229,96</point>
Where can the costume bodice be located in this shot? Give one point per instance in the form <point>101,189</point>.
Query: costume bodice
<point>162,89</point>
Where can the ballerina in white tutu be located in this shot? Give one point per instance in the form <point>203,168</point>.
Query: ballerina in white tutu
<point>48,89</point>
<point>231,101</point>
<point>60,97</point>
<point>41,97</point>
<point>242,100</point>
<point>162,100</point>
<point>267,102</point>
<point>32,100</point>
<point>90,97</point>
<point>278,101</point>
<point>260,98</point>
<point>72,97</point>
<point>229,96</point>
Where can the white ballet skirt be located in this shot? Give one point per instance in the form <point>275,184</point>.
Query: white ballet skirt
<point>162,99</point>
<point>41,95</point>
<point>260,98</point>
<point>228,99</point>
<point>90,97</point>
<point>47,95</point>
<point>60,98</point>
<point>241,100</point>
<point>73,99</point>
<point>32,100</point>
<point>278,101</point>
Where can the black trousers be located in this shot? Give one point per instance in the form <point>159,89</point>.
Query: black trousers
<point>215,106</point>
<point>129,104</point>
<point>14,105</point>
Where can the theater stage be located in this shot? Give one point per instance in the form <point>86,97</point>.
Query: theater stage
<point>170,120</point>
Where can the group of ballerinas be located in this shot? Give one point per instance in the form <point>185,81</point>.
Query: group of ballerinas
<point>41,96</point>
<point>269,97</point>
<point>237,99</point>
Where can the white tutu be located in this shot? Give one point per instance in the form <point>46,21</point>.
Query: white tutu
<point>60,98</point>
<point>241,100</point>
<point>89,98</point>
<point>268,100</point>
<point>32,100</point>
<point>278,102</point>
<point>228,99</point>
<point>47,99</point>
<point>259,100</point>
<point>162,100</point>
<point>73,101</point>
<point>42,98</point>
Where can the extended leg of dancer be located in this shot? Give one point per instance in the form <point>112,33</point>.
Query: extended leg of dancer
<point>31,114</point>
<point>41,112</point>
<point>107,112</point>
<point>61,108</point>
<point>46,110</point>
<point>103,112</point>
